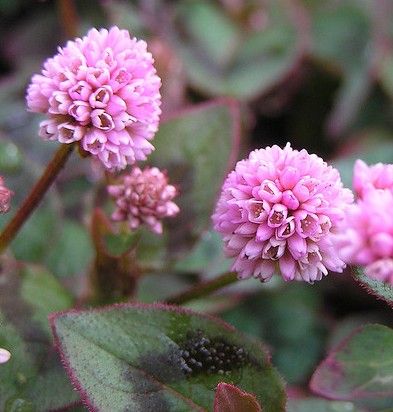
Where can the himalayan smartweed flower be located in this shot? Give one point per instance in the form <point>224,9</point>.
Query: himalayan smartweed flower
<point>278,210</point>
<point>366,238</point>
<point>5,355</point>
<point>103,92</point>
<point>5,197</point>
<point>143,197</point>
<point>378,176</point>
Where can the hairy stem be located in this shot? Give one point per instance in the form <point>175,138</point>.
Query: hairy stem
<point>203,289</point>
<point>35,196</point>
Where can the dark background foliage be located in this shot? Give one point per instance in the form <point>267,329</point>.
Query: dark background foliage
<point>316,73</point>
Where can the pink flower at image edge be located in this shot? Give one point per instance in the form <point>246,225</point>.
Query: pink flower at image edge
<point>378,176</point>
<point>103,92</point>
<point>143,197</point>
<point>5,197</point>
<point>279,209</point>
<point>366,237</point>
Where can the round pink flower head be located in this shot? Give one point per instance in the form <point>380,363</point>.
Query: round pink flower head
<point>143,197</point>
<point>367,234</point>
<point>5,197</point>
<point>103,92</point>
<point>378,176</point>
<point>278,210</point>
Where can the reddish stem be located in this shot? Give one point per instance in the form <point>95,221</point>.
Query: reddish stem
<point>35,196</point>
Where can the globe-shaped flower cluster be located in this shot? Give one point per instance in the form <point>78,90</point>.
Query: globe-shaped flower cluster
<point>143,197</point>
<point>278,210</point>
<point>103,92</point>
<point>366,238</point>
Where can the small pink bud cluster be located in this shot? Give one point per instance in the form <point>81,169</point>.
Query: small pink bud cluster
<point>143,197</point>
<point>278,210</point>
<point>366,238</point>
<point>5,197</point>
<point>103,92</point>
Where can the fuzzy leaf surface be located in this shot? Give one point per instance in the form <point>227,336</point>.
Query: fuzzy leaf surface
<point>197,147</point>
<point>34,375</point>
<point>376,287</point>
<point>224,58</point>
<point>360,367</point>
<point>229,398</point>
<point>157,357</point>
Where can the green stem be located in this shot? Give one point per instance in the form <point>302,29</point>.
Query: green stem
<point>203,289</point>
<point>35,196</point>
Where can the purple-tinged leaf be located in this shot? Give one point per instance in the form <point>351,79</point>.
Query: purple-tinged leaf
<point>360,367</point>
<point>140,357</point>
<point>198,147</point>
<point>376,287</point>
<point>34,375</point>
<point>224,56</point>
<point>230,398</point>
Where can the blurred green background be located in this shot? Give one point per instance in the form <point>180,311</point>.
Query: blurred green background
<point>316,73</point>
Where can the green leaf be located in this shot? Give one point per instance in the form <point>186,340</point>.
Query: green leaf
<point>10,158</point>
<point>229,398</point>
<point>380,289</point>
<point>31,245</point>
<point>289,333</point>
<point>197,148</point>
<point>360,367</point>
<point>28,295</point>
<point>35,280</point>
<point>224,56</point>
<point>158,357</point>
<point>72,251</point>
<point>341,34</point>
<point>386,74</point>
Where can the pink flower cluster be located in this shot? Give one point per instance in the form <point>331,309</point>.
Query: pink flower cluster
<point>143,197</point>
<point>366,238</point>
<point>5,197</point>
<point>103,92</point>
<point>278,210</point>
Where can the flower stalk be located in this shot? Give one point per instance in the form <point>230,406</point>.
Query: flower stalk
<point>35,196</point>
<point>203,289</point>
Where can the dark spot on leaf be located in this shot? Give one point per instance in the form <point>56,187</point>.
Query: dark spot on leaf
<point>206,355</point>
<point>196,355</point>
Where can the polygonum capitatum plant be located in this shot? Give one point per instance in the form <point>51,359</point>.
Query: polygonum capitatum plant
<point>366,238</point>
<point>143,197</point>
<point>278,210</point>
<point>101,91</point>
